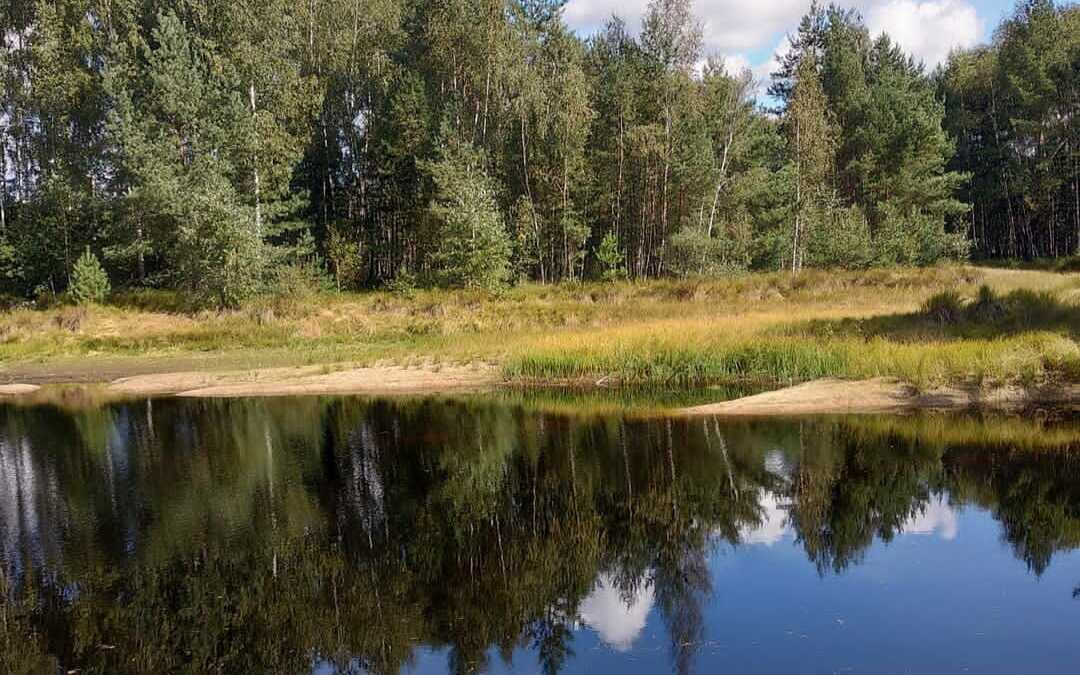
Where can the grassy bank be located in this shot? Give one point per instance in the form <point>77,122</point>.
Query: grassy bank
<point>927,326</point>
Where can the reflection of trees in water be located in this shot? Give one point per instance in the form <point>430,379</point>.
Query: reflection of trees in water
<point>1035,497</point>
<point>273,535</point>
<point>846,491</point>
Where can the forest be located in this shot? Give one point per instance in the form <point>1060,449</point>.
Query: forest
<point>228,148</point>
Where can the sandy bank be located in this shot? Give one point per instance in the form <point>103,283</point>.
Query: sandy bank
<point>18,389</point>
<point>308,381</point>
<point>834,397</point>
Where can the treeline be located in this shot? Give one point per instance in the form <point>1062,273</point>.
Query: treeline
<point>223,147</point>
<point>1012,110</point>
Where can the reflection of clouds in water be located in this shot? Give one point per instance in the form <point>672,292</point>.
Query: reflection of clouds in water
<point>617,623</point>
<point>774,523</point>
<point>776,464</point>
<point>937,517</point>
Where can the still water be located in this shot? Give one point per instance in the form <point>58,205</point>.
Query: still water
<point>478,535</point>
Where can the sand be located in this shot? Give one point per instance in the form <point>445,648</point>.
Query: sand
<point>309,381</point>
<point>18,389</point>
<point>837,397</point>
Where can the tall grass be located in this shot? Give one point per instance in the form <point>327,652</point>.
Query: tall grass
<point>696,358</point>
<point>754,328</point>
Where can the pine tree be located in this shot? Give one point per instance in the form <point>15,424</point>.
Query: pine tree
<point>89,282</point>
<point>472,248</point>
<point>612,260</point>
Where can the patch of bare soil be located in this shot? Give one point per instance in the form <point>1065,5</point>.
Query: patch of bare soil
<point>836,397</point>
<point>18,389</point>
<point>380,380</point>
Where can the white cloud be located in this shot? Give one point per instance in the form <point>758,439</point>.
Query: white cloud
<point>736,63</point>
<point>727,25</point>
<point>927,30</point>
<point>619,624</point>
<point>774,525</point>
<point>588,15</point>
<point>938,517</point>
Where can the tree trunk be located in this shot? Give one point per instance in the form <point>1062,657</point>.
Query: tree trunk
<point>619,183</point>
<point>1004,173</point>
<point>255,166</point>
<point>798,199</point>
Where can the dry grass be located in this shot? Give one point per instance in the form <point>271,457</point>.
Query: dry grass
<point>697,331</point>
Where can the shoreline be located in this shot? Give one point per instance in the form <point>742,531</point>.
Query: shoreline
<point>884,396</point>
<point>818,397</point>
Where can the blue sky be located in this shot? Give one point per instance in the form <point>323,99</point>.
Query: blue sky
<point>749,33</point>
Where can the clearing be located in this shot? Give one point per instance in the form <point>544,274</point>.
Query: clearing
<point>999,330</point>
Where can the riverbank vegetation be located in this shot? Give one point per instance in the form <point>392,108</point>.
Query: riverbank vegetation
<point>231,150</point>
<point>934,326</point>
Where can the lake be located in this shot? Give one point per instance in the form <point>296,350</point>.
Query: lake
<point>505,535</point>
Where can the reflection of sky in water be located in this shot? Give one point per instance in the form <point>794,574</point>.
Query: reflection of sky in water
<point>927,600</point>
<point>920,604</point>
<point>617,622</point>
<point>937,518</point>
<point>774,523</point>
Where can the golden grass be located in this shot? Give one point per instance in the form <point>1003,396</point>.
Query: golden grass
<point>694,331</point>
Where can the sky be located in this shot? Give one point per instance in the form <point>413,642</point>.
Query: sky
<point>750,33</point>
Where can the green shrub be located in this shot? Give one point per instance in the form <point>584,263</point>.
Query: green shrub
<point>404,283</point>
<point>987,307</point>
<point>344,256</point>
<point>913,237</point>
<point>612,260</point>
<point>1070,264</point>
<point>841,240</point>
<point>944,307</point>
<point>89,282</point>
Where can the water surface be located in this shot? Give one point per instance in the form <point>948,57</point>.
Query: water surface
<point>474,535</point>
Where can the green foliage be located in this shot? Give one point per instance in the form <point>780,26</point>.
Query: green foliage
<point>694,252</point>
<point>916,238</point>
<point>216,254</point>
<point>841,240</point>
<point>11,269</point>
<point>612,260</point>
<point>945,307</point>
<point>344,255</point>
<point>89,281</point>
<point>404,284</point>
<point>1003,104</point>
<point>472,248</point>
<point>528,246</point>
<point>812,138</point>
<point>203,145</point>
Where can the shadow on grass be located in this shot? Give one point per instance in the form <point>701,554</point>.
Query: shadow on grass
<point>1062,265</point>
<point>949,316</point>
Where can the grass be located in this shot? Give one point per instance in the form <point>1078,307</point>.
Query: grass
<point>755,328</point>
<point>1012,433</point>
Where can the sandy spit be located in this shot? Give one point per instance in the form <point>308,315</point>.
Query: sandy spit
<point>381,380</point>
<point>18,389</point>
<point>837,397</point>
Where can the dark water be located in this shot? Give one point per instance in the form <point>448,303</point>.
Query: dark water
<point>317,535</point>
